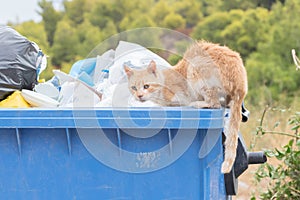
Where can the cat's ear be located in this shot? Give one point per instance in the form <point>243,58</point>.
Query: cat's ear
<point>128,71</point>
<point>152,67</point>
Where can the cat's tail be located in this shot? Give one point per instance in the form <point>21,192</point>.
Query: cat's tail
<point>231,132</point>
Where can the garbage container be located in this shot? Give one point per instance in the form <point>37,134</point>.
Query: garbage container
<point>122,153</point>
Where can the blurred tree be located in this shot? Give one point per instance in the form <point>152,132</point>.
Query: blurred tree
<point>174,21</point>
<point>131,22</point>
<point>136,14</point>
<point>159,11</point>
<point>255,30</point>
<point>261,79</point>
<point>273,57</point>
<point>125,23</point>
<point>109,30</point>
<point>237,4</point>
<point>138,32</point>
<point>246,30</point>
<point>268,3</point>
<point>89,37</point>
<point>105,11</point>
<point>76,9</point>
<point>142,21</point>
<point>137,6</point>
<point>238,29</point>
<point>65,47</point>
<point>50,18</point>
<point>210,28</point>
<point>189,10</point>
<point>236,14</point>
<point>209,7</point>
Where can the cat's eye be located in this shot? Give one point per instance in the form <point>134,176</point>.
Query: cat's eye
<point>134,88</point>
<point>146,86</point>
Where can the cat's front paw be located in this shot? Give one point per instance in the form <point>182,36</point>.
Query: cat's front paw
<point>204,104</point>
<point>199,104</point>
<point>215,105</point>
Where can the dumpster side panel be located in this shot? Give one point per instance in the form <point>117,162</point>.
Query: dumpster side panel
<point>54,163</point>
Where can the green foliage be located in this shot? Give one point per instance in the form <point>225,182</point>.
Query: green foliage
<point>65,43</point>
<point>140,22</point>
<point>189,11</point>
<point>248,28</point>
<point>139,35</point>
<point>173,59</point>
<point>104,12</point>
<point>89,37</point>
<point>174,21</point>
<point>238,4</point>
<point>284,177</point>
<point>76,9</point>
<point>159,11</point>
<point>208,6</point>
<point>50,18</point>
<point>211,27</point>
<point>271,64</point>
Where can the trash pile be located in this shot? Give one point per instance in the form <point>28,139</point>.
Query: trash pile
<point>93,82</point>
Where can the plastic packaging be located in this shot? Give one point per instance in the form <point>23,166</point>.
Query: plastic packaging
<point>83,70</point>
<point>47,89</point>
<point>102,80</point>
<point>21,61</point>
<point>104,75</point>
<point>15,100</point>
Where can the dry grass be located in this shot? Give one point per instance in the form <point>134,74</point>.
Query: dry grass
<point>276,119</point>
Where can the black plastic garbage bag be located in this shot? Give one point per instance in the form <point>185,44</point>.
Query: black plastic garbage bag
<point>20,61</point>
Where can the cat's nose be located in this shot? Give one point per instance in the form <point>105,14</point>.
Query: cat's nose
<point>140,96</point>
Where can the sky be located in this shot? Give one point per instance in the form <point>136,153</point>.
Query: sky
<point>18,11</point>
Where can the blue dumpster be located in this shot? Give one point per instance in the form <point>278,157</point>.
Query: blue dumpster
<point>122,153</point>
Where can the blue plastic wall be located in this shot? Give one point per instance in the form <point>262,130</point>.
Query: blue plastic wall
<point>111,154</point>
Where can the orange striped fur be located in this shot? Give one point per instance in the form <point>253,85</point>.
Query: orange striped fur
<point>208,76</point>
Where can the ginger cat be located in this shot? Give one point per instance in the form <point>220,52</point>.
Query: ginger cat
<point>208,76</point>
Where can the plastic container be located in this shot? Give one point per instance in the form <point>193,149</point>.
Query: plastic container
<point>103,75</point>
<point>101,82</point>
<point>156,153</point>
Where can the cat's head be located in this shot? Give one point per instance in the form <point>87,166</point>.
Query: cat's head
<point>144,84</point>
